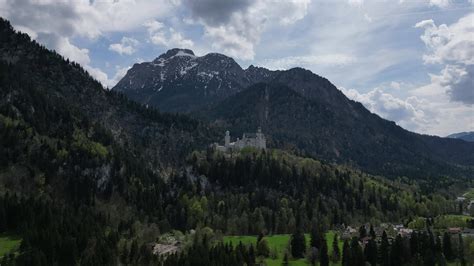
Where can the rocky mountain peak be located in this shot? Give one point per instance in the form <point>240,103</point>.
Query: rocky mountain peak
<point>176,52</point>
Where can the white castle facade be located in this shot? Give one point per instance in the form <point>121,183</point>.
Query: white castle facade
<point>255,140</point>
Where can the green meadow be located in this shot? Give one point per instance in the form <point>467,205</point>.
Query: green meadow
<point>280,243</point>
<point>8,244</point>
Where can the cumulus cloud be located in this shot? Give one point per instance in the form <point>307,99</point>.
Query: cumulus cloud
<point>458,82</point>
<point>234,27</point>
<point>168,37</point>
<point>57,23</point>
<point>126,46</point>
<point>64,47</point>
<point>412,113</point>
<point>453,47</point>
<point>449,44</point>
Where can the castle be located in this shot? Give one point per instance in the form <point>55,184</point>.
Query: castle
<point>255,140</point>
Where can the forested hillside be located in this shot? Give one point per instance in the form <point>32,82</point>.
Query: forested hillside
<point>66,145</point>
<point>329,132</point>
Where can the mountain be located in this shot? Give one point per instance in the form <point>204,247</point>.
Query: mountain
<point>467,136</point>
<point>353,135</point>
<point>296,109</point>
<point>179,81</point>
<point>63,110</point>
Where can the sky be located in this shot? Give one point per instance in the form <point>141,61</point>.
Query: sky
<point>409,61</point>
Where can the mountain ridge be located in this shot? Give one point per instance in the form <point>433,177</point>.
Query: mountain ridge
<point>467,136</point>
<point>351,124</point>
<point>171,80</point>
<point>289,118</point>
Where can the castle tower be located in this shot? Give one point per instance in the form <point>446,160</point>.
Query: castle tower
<point>260,139</point>
<point>227,139</point>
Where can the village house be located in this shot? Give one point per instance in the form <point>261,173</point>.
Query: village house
<point>454,230</point>
<point>467,232</point>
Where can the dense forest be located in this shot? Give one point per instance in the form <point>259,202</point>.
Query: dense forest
<point>89,177</point>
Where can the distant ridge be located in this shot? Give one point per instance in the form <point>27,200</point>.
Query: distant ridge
<point>467,136</point>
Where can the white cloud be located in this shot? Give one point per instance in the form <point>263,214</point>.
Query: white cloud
<point>412,113</point>
<point>235,27</point>
<point>395,85</point>
<point>126,46</point>
<point>119,74</point>
<point>103,78</point>
<point>153,26</point>
<point>367,18</point>
<point>453,47</point>
<point>357,3</point>
<point>439,3</point>
<point>447,44</point>
<point>57,23</point>
<point>64,47</point>
<point>167,37</point>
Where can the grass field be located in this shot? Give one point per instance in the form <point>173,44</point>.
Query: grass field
<point>8,243</point>
<point>279,242</point>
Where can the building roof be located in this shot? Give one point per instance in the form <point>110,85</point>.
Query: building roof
<point>468,231</point>
<point>250,135</point>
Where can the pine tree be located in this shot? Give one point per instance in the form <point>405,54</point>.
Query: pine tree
<point>315,236</point>
<point>462,260</point>
<point>298,244</point>
<point>133,251</point>
<point>251,254</point>
<point>357,255</point>
<point>323,256</point>
<point>396,252</point>
<point>384,258</point>
<point>346,254</point>
<point>372,232</point>
<point>362,232</point>
<point>447,248</point>
<point>371,252</point>
<point>336,253</point>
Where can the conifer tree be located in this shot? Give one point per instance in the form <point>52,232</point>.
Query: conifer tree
<point>346,254</point>
<point>323,256</point>
<point>298,244</point>
<point>357,255</point>
<point>362,232</point>
<point>251,254</point>
<point>315,236</point>
<point>396,252</point>
<point>336,252</point>
<point>372,232</point>
<point>461,258</point>
<point>371,252</point>
<point>447,248</point>
<point>384,258</point>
